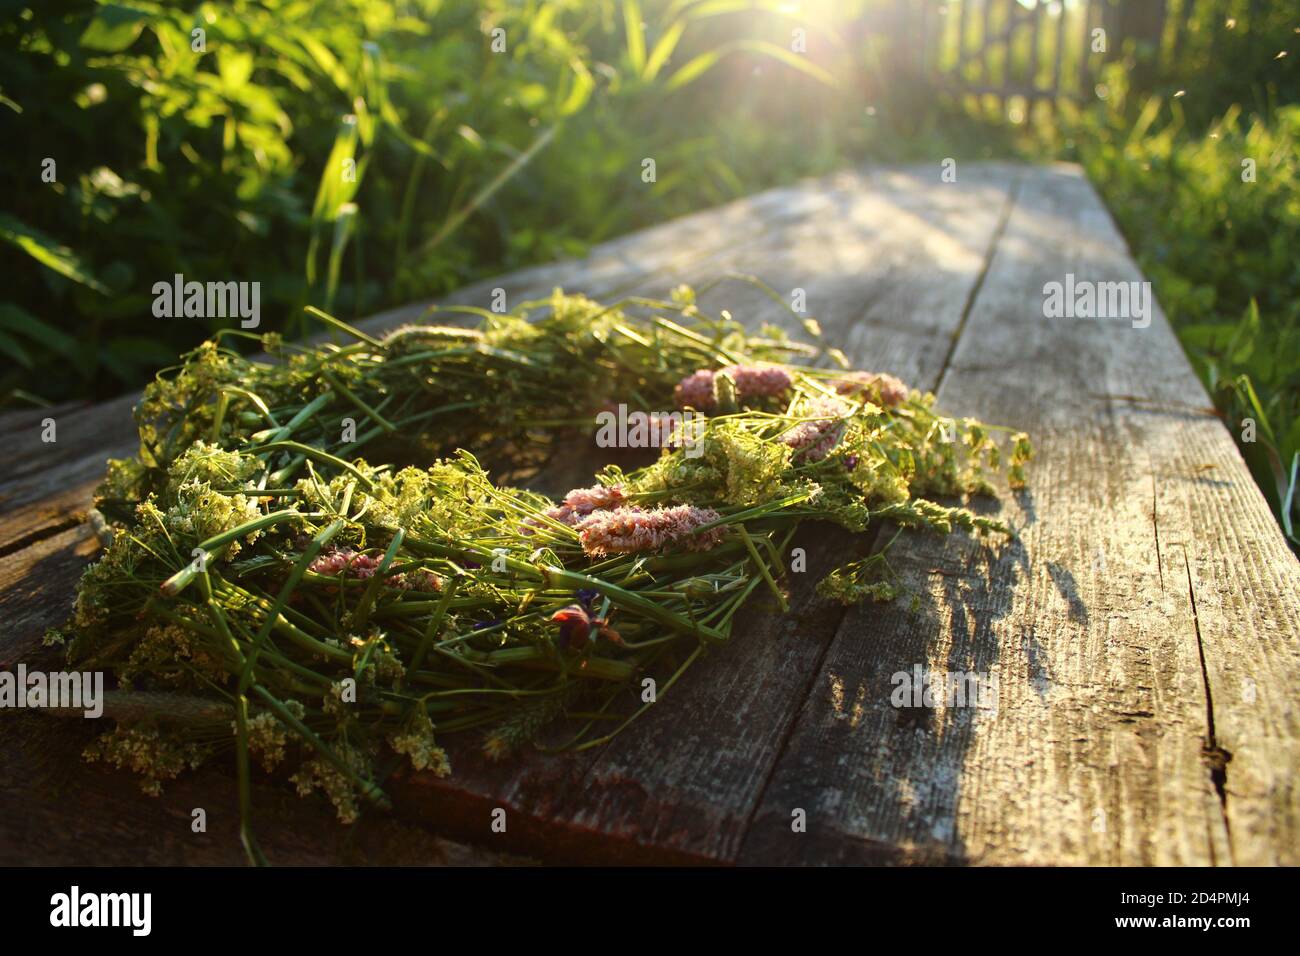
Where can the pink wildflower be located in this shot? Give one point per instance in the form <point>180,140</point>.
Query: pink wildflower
<point>579,503</point>
<point>886,389</point>
<point>814,440</point>
<point>752,382</point>
<point>597,498</point>
<point>759,381</point>
<point>695,390</point>
<point>344,562</point>
<point>632,530</point>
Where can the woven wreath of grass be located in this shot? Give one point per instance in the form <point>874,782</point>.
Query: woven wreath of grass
<point>308,565</point>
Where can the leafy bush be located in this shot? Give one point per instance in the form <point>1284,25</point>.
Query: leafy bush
<point>351,153</point>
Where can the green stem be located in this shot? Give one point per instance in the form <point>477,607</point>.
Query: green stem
<point>762,568</point>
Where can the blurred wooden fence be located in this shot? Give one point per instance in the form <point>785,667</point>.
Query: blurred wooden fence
<point>1042,51</point>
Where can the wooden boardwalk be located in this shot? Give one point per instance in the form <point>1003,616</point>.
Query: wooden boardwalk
<point>1143,630</point>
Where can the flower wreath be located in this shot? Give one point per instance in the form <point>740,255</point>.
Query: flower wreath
<point>264,579</point>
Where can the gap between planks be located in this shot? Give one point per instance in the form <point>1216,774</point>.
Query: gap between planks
<point>875,538</point>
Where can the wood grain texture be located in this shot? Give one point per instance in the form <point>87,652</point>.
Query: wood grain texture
<point>47,485</point>
<point>1143,588</point>
<point>1243,586</point>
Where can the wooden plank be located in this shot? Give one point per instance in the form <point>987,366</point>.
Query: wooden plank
<point>37,587</point>
<point>682,783</point>
<point>873,253</point>
<point>1119,626</point>
<point>1243,586</point>
<point>47,485</point>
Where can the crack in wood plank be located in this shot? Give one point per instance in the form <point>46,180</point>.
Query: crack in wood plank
<point>39,534</point>
<point>1216,758</point>
<point>998,232</point>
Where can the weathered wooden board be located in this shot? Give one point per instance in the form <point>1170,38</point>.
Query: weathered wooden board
<point>45,485</point>
<point>1147,584</point>
<point>1147,595</point>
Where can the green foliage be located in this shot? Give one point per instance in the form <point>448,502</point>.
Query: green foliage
<point>1219,249</point>
<point>351,153</point>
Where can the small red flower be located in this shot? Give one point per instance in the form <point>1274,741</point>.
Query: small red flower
<point>578,627</point>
